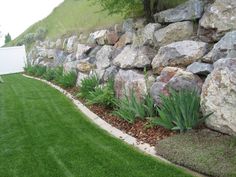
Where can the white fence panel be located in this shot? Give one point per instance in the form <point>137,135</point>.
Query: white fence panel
<point>12,60</point>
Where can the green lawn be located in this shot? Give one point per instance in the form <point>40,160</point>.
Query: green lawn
<point>42,134</point>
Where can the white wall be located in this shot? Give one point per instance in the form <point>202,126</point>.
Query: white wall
<point>12,60</point>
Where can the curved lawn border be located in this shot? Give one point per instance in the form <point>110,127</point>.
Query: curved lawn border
<point>144,147</point>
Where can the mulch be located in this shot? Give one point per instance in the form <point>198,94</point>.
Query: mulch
<point>140,129</point>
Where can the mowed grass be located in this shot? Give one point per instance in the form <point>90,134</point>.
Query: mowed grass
<point>74,16</point>
<point>42,134</point>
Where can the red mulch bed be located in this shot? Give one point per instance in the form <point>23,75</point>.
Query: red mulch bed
<point>140,129</point>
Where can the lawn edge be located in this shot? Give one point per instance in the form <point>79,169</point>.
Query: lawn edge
<point>143,147</point>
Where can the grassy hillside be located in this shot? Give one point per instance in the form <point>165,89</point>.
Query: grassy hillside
<point>73,16</point>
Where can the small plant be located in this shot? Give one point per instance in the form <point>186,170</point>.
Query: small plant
<point>40,70</point>
<point>49,75</point>
<point>180,111</point>
<point>149,105</point>
<point>68,80</point>
<point>58,74</point>
<point>37,71</point>
<point>88,85</point>
<point>103,95</point>
<point>29,69</point>
<point>130,107</point>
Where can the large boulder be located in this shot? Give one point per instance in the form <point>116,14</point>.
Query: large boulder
<point>190,10</point>
<point>181,53</point>
<point>80,78</point>
<point>124,40</point>
<point>103,60</point>
<point>103,37</point>
<point>127,81</point>
<point>200,68</point>
<point>174,78</point>
<point>148,33</point>
<point>185,80</point>
<point>219,96</point>
<point>172,33</point>
<point>70,66</point>
<point>59,58</point>
<point>85,66</point>
<point>132,57</point>
<point>111,38</point>
<point>51,53</point>
<point>225,48</point>
<point>110,73</point>
<point>218,19</point>
<point>103,57</point>
<point>71,44</point>
<point>98,37</point>
<point>82,51</point>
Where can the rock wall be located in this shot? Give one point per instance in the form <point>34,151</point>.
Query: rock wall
<point>191,46</point>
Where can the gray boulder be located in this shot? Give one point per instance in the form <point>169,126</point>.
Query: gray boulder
<point>181,53</point>
<point>70,57</point>
<point>71,44</point>
<point>190,10</point>
<point>219,97</point>
<point>59,58</point>
<point>124,40</point>
<point>172,33</point>
<point>132,57</point>
<point>70,66</point>
<point>80,77</point>
<point>82,51</point>
<point>174,78</point>
<point>148,33</point>
<point>103,57</point>
<point>218,19</point>
<point>98,37</point>
<point>85,66</point>
<point>224,48</point>
<point>110,73</point>
<point>200,68</point>
<point>129,80</point>
<point>185,80</point>
<point>51,53</point>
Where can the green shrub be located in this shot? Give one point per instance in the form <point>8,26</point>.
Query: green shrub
<point>37,70</point>
<point>40,70</point>
<point>58,74</point>
<point>103,95</point>
<point>88,85</point>
<point>130,108</point>
<point>67,80</point>
<point>180,111</point>
<point>29,69</point>
<point>50,74</point>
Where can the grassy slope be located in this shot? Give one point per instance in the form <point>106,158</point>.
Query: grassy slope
<point>74,16</point>
<point>43,134</point>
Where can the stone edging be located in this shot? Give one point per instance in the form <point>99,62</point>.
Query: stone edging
<point>144,147</point>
